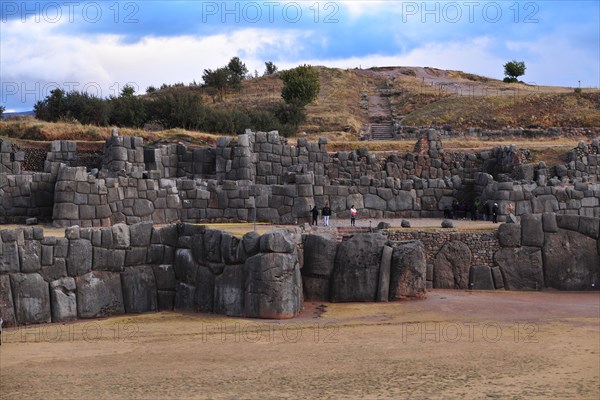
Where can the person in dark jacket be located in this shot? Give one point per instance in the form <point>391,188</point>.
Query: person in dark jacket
<point>495,213</point>
<point>326,213</point>
<point>315,215</point>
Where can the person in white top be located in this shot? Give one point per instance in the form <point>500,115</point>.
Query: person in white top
<point>353,215</point>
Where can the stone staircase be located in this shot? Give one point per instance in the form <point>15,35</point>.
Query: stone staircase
<point>382,131</point>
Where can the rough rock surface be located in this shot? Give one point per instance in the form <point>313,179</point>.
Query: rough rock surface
<point>521,267</point>
<point>229,291</point>
<point>99,294</point>
<point>273,287</point>
<point>356,272</point>
<point>451,266</point>
<point>481,278</point>
<point>319,259</point>
<point>7,308</point>
<point>408,272</point>
<point>571,261</point>
<point>64,299</point>
<point>31,298</point>
<point>139,289</point>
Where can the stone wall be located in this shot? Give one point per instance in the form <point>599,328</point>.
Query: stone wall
<point>549,250</point>
<point>97,272</point>
<point>262,174</point>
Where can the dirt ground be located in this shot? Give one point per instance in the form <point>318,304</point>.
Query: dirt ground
<point>453,345</point>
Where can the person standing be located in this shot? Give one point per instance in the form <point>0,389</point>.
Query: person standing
<point>326,213</point>
<point>315,215</point>
<point>495,213</point>
<point>353,215</point>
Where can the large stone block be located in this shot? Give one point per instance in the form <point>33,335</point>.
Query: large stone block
<point>140,234</point>
<point>273,286</point>
<point>184,297</point>
<point>79,260</point>
<point>212,245</point>
<point>30,254</point>
<point>31,298</point>
<point>481,278</point>
<point>279,241</point>
<point>164,275</point>
<point>185,267</point>
<point>385,265</point>
<point>68,211</point>
<point>587,226</point>
<point>355,275</point>
<point>229,248</point>
<point>108,259</point>
<point>64,299</point>
<point>521,267</point>
<point>509,235</point>
<point>249,246</point>
<point>319,259</point>
<point>532,231</point>
<point>451,266</point>
<point>7,307</point>
<point>408,271</point>
<point>139,289</point>
<point>571,261</point>
<point>9,257</point>
<point>121,236</point>
<point>374,202</point>
<point>205,290</point>
<point>229,291</point>
<point>99,294</point>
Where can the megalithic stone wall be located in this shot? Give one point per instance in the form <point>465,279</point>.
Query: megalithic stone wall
<point>95,272</point>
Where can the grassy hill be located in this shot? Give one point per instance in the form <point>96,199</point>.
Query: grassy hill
<point>349,99</point>
<point>419,96</point>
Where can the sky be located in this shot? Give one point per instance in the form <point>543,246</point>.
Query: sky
<point>100,46</point>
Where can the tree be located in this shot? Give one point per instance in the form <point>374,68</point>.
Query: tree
<point>300,85</point>
<point>270,68</point>
<point>53,107</point>
<point>218,79</point>
<point>2,108</point>
<point>514,69</point>
<point>237,71</point>
<point>127,91</point>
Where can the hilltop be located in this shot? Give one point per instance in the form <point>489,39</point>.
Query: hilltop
<point>422,96</point>
<point>350,100</point>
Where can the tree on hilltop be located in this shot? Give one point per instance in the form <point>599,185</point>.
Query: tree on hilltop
<point>514,69</point>
<point>300,85</point>
<point>237,71</point>
<point>270,68</point>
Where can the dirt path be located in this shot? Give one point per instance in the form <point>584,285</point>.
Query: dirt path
<point>454,345</point>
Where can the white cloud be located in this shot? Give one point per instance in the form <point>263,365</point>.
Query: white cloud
<point>38,53</point>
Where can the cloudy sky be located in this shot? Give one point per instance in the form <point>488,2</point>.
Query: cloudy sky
<point>100,46</point>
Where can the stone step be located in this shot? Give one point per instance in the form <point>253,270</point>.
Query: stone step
<point>382,131</point>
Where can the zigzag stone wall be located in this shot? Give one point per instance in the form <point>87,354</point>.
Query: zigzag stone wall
<point>95,272</point>
<point>262,174</point>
